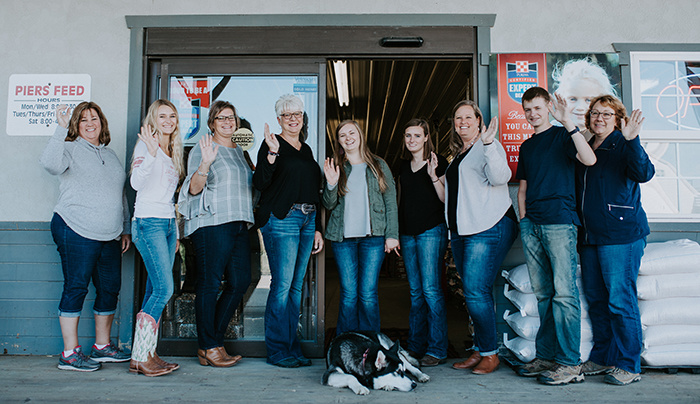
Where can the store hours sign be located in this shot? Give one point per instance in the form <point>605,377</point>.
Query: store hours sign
<point>32,100</point>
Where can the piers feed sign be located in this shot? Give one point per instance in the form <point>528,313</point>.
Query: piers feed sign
<point>32,100</point>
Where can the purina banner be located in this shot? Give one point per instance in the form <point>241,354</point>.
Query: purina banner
<point>516,74</point>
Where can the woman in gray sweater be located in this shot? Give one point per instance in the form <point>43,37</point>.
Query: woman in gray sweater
<point>90,229</point>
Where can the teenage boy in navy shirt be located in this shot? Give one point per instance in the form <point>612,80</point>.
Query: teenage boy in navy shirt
<point>548,220</point>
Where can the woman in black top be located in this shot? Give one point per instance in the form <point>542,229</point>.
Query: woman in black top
<point>289,179</point>
<point>423,238</point>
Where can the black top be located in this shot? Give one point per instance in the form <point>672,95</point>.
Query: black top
<point>420,208</point>
<point>452,178</point>
<point>547,162</point>
<point>295,177</point>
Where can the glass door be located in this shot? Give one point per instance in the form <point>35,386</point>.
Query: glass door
<point>252,85</point>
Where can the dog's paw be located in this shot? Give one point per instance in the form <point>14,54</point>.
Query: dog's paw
<point>361,390</point>
<point>387,387</point>
<point>423,378</point>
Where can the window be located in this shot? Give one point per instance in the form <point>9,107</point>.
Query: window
<point>666,87</point>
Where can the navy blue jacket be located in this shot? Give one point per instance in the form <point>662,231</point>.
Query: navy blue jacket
<point>607,193</point>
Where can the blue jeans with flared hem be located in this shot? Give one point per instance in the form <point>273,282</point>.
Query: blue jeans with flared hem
<point>83,259</point>
<point>609,275</point>
<point>550,253</point>
<point>478,258</point>
<point>422,257</point>
<point>156,239</point>
<point>359,261</point>
<point>223,252</point>
<point>288,244</point>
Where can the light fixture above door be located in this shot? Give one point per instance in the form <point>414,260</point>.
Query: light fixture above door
<point>340,68</point>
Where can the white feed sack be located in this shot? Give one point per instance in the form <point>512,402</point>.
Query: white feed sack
<point>656,335</point>
<point>654,287</point>
<point>525,349</point>
<point>671,257</point>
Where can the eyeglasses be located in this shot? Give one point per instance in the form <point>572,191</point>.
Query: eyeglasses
<point>288,115</point>
<point>605,115</point>
<point>229,118</point>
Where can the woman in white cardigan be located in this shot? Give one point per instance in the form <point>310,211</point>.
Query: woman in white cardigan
<point>482,223</point>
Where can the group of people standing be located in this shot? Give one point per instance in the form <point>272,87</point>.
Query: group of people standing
<point>562,178</point>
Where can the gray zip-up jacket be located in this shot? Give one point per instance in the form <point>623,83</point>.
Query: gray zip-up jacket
<point>92,199</point>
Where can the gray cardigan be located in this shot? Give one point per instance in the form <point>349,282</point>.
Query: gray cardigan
<point>92,199</point>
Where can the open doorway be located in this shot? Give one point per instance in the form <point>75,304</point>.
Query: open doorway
<point>382,96</point>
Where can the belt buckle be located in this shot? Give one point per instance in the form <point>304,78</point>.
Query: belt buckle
<point>303,209</point>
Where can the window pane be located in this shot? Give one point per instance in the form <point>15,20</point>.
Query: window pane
<point>655,76</point>
<point>661,113</point>
<point>660,196</point>
<point>663,156</point>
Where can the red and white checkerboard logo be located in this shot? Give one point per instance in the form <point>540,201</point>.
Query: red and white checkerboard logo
<point>521,67</point>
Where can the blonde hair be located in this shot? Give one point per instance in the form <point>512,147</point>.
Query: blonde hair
<point>581,69</point>
<point>175,144</point>
<point>372,160</point>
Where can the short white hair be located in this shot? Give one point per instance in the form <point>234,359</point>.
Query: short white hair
<point>289,102</point>
<point>581,69</point>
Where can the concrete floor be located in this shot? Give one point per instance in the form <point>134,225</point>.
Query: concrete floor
<point>35,379</point>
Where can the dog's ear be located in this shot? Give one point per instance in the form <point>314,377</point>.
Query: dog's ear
<point>395,348</point>
<point>380,363</point>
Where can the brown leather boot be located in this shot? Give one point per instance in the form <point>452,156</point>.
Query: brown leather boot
<point>227,356</point>
<point>164,364</point>
<point>472,361</point>
<point>213,357</point>
<point>150,368</point>
<point>487,365</point>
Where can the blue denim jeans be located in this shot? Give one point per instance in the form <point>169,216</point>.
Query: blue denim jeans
<point>609,275</point>
<point>478,258</point>
<point>83,259</point>
<point>427,322</point>
<point>359,260</point>
<point>156,239</point>
<point>288,243</point>
<point>550,253</point>
<point>223,252</point>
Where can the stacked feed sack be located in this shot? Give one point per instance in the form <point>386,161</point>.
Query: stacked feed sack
<point>668,288</point>
<point>526,321</point>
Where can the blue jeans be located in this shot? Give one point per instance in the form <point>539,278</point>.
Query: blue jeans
<point>359,261</point>
<point>427,323</point>
<point>550,253</point>
<point>609,275</point>
<point>288,243</point>
<point>156,239</point>
<point>83,259</point>
<point>223,251</point>
<point>478,258</point>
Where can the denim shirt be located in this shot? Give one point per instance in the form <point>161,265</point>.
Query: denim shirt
<point>383,209</point>
<point>607,193</point>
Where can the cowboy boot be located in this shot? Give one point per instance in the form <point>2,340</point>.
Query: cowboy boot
<point>161,362</point>
<point>144,348</point>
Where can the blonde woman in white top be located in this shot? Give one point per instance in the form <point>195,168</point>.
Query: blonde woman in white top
<point>155,172</point>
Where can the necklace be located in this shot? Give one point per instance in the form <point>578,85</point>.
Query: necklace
<point>470,144</point>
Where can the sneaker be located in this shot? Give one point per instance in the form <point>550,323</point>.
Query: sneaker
<point>78,361</point>
<point>535,367</point>
<point>303,361</point>
<point>621,377</point>
<point>591,368</point>
<point>110,353</point>
<point>561,374</point>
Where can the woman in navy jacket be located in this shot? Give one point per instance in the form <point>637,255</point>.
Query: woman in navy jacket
<point>613,237</point>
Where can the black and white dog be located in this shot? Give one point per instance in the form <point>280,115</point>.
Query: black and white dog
<point>365,360</point>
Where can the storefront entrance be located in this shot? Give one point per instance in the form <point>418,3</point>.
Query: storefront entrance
<point>395,73</point>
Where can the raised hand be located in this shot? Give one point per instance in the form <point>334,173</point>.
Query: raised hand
<point>272,143</point>
<point>332,171</point>
<point>150,138</point>
<point>209,150</point>
<point>489,135</point>
<point>631,129</point>
<point>63,114</point>
<point>432,166</point>
<point>558,108</point>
